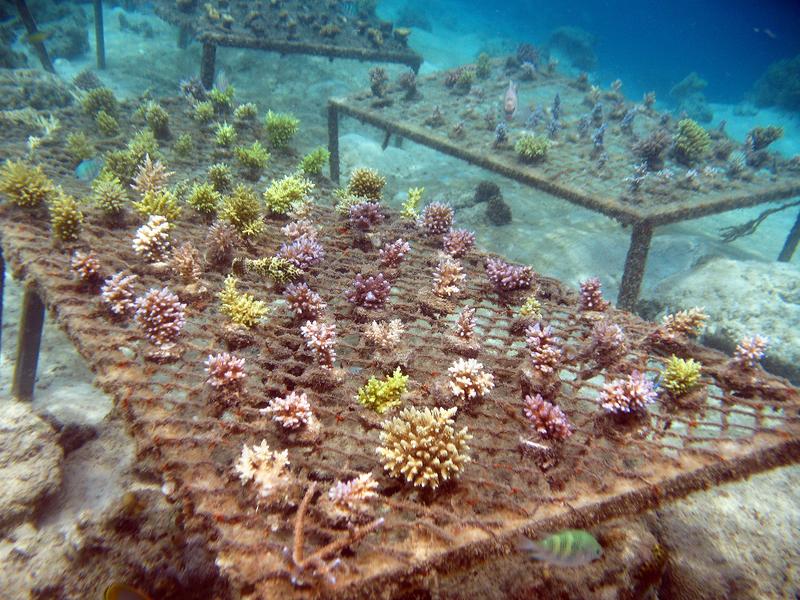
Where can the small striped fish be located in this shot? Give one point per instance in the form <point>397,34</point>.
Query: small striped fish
<point>567,548</point>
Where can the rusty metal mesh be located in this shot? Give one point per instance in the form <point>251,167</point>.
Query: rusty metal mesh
<point>736,426</point>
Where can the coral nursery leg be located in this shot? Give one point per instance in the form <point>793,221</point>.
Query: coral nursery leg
<point>333,141</point>
<point>791,242</point>
<point>31,322</point>
<point>99,36</point>
<point>635,262</point>
<point>2,293</point>
<point>30,25</point>
<point>208,64</point>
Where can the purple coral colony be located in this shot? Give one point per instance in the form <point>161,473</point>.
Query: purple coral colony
<point>417,442</point>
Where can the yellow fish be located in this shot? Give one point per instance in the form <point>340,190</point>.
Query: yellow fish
<point>38,37</point>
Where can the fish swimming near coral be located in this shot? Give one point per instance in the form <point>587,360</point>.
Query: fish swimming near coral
<point>120,591</point>
<point>567,548</point>
<point>88,169</point>
<point>511,100</point>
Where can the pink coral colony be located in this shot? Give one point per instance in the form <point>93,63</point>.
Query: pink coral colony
<point>304,252</point>
<point>392,253</point>
<point>225,371</point>
<point>365,215</point>
<point>437,218</point>
<point>457,242</point>
<point>303,301</point>
<point>750,351</point>
<point>545,348</point>
<point>160,315</point>
<point>369,292</point>
<point>86,266</point>
<point>507,277</point>
<point>293,411</point>
<point>628,395</point>
<point>118,294</point>
<point>321,341</point>
<point>546,418</point>
<point>591,295</point>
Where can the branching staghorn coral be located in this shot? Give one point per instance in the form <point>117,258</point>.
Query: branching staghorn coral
<point>225,135</point>
<point>410,207</point>
<point>545,347</point>
<point>86,266</point>
<point>303,252</point>
<point>365,215</point>
<point>242,210</point>
<point>151,176</point>
<point>321,341</point>
<point>185,262</point>
<point>267,469</point>
<point>749,351</point>
<point>457,242</point>
<point>507,277</point>
<point>241,308</point>
<point>204,198</point>
<point>287,194</point>
<point>161,316</point>
<point>465,324</point>
<point>369,292</point>
<point>152,239</point>
<point>366,183</point>
<point>118,294</point>
<point>546,418</point>
<point>628,395</point>
<point>591,295</point>
<point>221,241</point>
<point>386,334</point>
<point>682,323</point>
<point>448,276</point>
<point>680,376</point>
<point>24,185</point>
<point>219,175</point>
<point>379,395</point>
<point>293,411</point>
<point>163,202</point>
<point>437,218</point>
<point>392,253</point>
<point>66,216</point>
<point>305,303</point>
<point>225,371</point>
<point>421,446</point>
<point>468,380</point>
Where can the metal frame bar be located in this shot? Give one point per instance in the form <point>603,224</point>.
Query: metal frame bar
<point>30,25</point>
<point>792,240</point>
<point>635,263</point>
<point>99,35</point>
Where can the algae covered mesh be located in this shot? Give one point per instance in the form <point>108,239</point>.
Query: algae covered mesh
<point>402,411</point>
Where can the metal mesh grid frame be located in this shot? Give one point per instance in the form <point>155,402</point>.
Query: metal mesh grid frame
<point>240,36</point>
<point>604,470</point>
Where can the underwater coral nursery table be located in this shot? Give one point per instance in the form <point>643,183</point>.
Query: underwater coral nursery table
<point>288,27</point>
<point>601,151</point>
<point>506,477</point>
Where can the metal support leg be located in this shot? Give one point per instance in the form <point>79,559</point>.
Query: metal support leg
<point>31,322</point>
<point>791,242</point>
<point>635,262</point>
<point>333,141</point>
<point>184,37</point>
<point>208,64</point>
<point>30,25</point>
<point>99,35</point>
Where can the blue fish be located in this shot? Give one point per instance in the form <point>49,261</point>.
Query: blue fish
<point>88,169</point>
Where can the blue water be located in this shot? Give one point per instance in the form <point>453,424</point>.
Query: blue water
<point>652,44</point>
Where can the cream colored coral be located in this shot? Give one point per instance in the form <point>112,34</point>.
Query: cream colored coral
<point>448,276</point>
<point>422,446</point>
<point>152,239</point>
<point>684,322</point>
<point>267,469</point>
<point>385,334</point>
<point>150,176</point>
<point>468,379</point>
<point>354,494</point>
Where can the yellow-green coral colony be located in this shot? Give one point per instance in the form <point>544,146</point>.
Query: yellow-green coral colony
<point>162,202</point>
<point>284,195</point>
<point>108,194</point>
<point>410,208</point>
<point>253,159</point>
<point>366,183</point>
<point>157,120</point>
<point>379,395</point>
<point>203,112</point>
<point>65,217</point>
<point>315,161</point>
<point>280,128</point>
<point>531,148</point>
<point>183,145</point>
<point>219,175</point>
<point>78,147</point>
<point>245,113</point>
<point>680,376</point>
<point>204,198</point>
<point>222,100</point>
<point>691,142</point>
<point>106,123</point>
<point>24,185</point>
<point>98,99</point>
<point>225,135</point>
<point>242,210</point>
<point>241,308</point>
